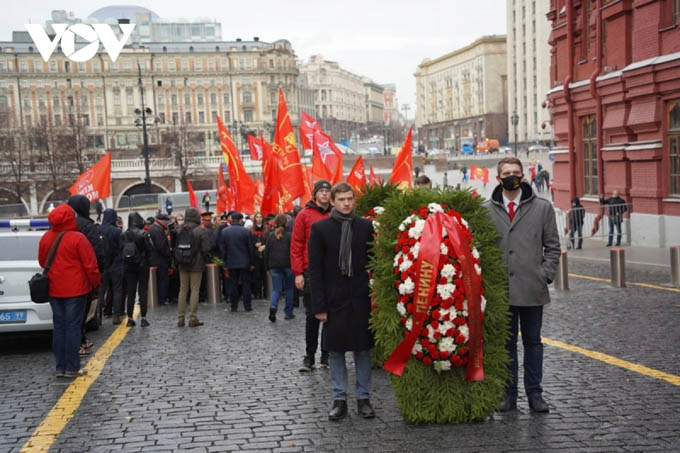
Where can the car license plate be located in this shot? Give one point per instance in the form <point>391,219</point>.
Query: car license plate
<point>7,317</point>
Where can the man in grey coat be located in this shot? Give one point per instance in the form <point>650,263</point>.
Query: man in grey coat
<point>531,251</point>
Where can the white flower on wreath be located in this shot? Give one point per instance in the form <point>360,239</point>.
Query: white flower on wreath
<point>483,304</point>
<point>415,249</point>
<point>395,263</point>
<point>447,344</point>
<point>475,252</point>
<point>405,265</point>
<point>417,230</point>
<point>443,365</point>
<point>445,290</point>
<point>401,308</point>
<point>464,331</point>
<point>409,324</point>
<point>416,348</point>
<point>378,210</point>
<point>478,269</point>
<point>376,225</point>
<point>435,207</point>
<point>407,286</point>
<point>448,271</point>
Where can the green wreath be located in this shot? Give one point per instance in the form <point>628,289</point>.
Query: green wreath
<point>423,394</point>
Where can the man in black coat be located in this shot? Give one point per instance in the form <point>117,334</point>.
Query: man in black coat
<point>160,255</point>
<point>112,278</point>
<point>617,206</point>
<point>137,268</point>
<point>238,254</point>
<point>338,260</point>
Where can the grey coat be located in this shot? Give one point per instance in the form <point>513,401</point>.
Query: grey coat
<point>530,245</point>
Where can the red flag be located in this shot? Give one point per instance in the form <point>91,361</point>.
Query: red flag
<point>357,177</point>
<point>473,172</point>
<point>193,201</point>
<point>256,146</point>
<point>479,173</point>
<point>319,169</point>
<point>309,183</point>
<point>242,187</point>
<point>271,193</point>
<point>95,182</point>
<point>224,200</point>
<point>308,126</point>
<point>372,180</point>
<point>330,155</point>
<point>402,172</point>
<point>285,149</point>
<point>259,194</point>
<point>485,175</point>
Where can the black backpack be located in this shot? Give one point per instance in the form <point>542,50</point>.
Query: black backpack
<point>186,248</point>
<point>132,256</point>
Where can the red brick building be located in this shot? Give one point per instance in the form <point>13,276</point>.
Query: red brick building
<point>615,105</point>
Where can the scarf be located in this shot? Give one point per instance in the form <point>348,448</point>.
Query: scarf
<point>345,257</point>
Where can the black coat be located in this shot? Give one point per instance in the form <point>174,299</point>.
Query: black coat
<point>160,253</point>
<point>236,247</point>
<point>277,252</point>
<point>346,300</point>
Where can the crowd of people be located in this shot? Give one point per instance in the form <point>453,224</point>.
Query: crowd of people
<point>319,251</point>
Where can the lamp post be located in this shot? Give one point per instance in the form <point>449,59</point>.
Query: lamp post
<point>142,122</point>
<point>515,120</point>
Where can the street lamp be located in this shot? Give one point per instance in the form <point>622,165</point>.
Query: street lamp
<point>142,122</point>
<point>514,119</point>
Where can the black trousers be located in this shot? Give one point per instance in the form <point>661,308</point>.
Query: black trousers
<point>259,276</point>
<point>311,323</point>
<point>239,277</point>
<point>162,284</point>
<point>137,279</point>
<point>112,286</point>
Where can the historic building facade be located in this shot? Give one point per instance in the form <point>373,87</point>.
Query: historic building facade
<point>615,101</point>
<point>375,102</point>
<point>462,96</point>
<point>528,71</point>
<point>185,86</point>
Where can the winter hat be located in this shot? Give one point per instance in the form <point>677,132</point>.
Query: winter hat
<point>321,184</point>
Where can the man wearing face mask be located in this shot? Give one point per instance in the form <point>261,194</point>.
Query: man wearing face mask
<point>531,250</point>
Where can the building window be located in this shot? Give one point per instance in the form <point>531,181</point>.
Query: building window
<point>199,99</point>
<point>227,117</point>
<point>213,99</point>
<point>247,97</point>
<point>187,117</point>
<point>248,116</point>
<point>674,147</point>
<point>589,134</point>
<point>201,118</point>
<point>187,99</point>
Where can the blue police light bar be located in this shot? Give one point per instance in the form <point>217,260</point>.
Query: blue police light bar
<point>25,223</point>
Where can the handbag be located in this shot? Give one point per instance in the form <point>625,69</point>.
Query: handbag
<point>39,284</point>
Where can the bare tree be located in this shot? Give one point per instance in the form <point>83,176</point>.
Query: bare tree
<point>181,142</point>
<point>16,160</point>
<point>74,143</point>
<point>44,140</point>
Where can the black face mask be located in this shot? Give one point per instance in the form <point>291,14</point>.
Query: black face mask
<point>511,182</point>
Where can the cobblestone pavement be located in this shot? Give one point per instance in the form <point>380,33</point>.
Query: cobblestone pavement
<point>234,384</point>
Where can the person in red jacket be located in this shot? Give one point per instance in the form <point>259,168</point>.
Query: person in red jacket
<point>316,209</point>
<point>73,275</point>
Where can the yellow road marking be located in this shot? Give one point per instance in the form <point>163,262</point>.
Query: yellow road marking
<point>611,360</point>
<point>643,285</point>
<point>63,411</point>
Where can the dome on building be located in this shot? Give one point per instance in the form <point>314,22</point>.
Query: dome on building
<point>115,12</point>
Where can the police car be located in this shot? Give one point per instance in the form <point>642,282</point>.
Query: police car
<point>19,241</point>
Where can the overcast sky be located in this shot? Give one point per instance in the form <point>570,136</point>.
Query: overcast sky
<point>384,40</point>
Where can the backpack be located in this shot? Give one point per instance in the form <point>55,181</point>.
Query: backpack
<point>132,256</point>
<point>186,248</point>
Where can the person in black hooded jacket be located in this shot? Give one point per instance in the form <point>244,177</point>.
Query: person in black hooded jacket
<point>81,205</point>
<point>112,278</point>
<point>136,265</point>
<point>86,225</point>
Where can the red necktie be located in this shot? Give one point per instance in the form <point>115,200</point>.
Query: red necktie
<point>511,210</point>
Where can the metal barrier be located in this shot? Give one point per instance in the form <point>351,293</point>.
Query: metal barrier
<point>212,279</point>
<point>152,291</point>
<point>618,266</point>
<point>562,273</point>
<point>675,265</point>
<point>596,224</point>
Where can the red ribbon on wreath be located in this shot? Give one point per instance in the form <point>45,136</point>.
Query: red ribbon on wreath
<point>426,282</point>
